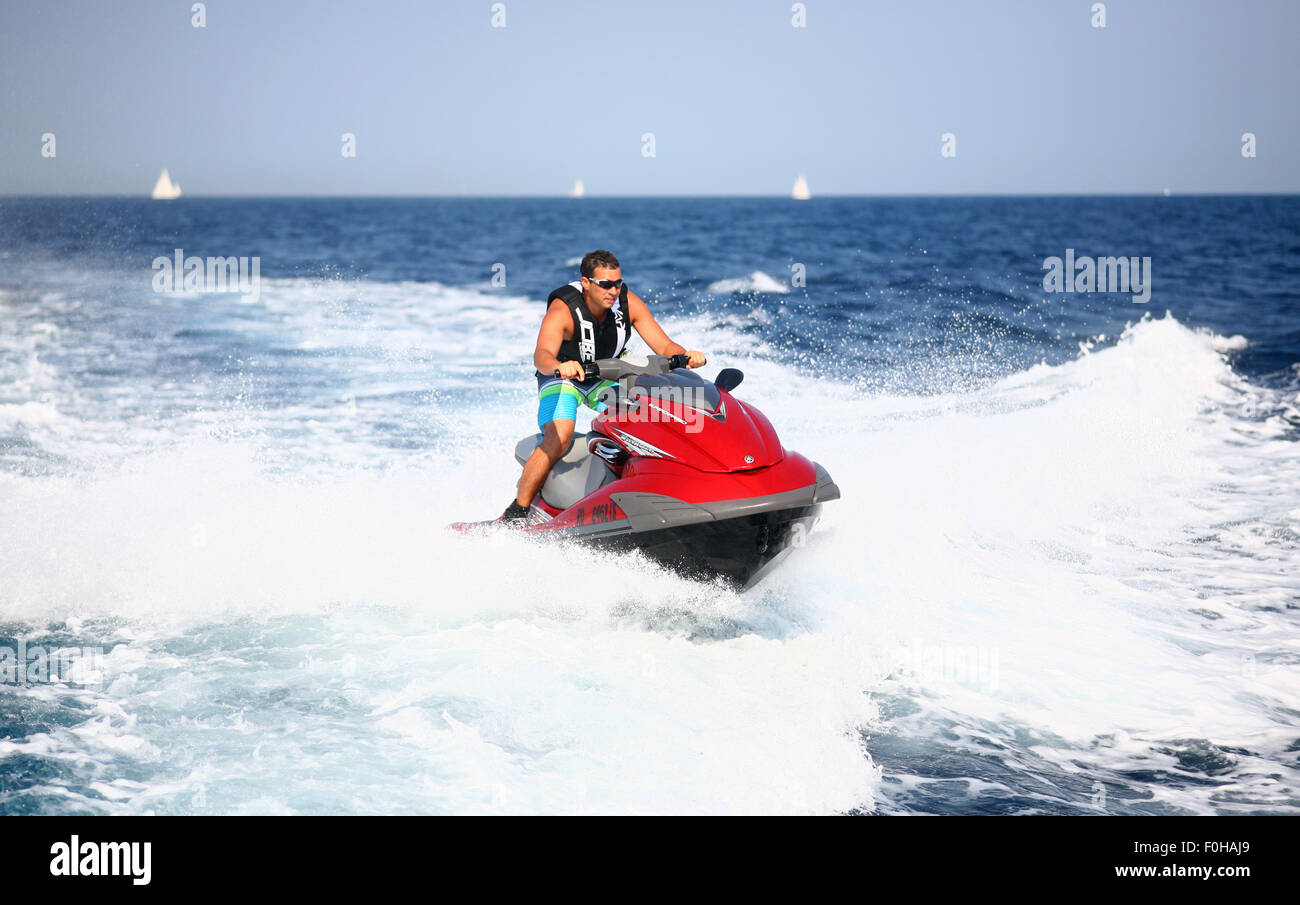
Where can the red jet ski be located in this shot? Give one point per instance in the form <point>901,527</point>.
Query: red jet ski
<point>683,471</point>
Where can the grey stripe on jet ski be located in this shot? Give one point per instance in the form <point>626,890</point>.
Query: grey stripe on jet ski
<point>647,511</point>
<point>653,511</point>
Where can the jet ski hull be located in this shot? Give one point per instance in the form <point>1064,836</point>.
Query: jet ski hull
<point>740,550</point>
<point>734,526</point>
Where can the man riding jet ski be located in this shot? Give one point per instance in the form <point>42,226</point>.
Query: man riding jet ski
<point>674,466</point>
<point>585,320</point>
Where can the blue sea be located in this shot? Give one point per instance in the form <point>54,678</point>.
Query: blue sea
<point>1063,577</point>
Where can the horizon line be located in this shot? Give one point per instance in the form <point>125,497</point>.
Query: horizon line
<point>1160,193</point>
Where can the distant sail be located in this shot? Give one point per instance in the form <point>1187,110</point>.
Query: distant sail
<point>800,191</point>
<point>578,190</point>
<point>164,189</point>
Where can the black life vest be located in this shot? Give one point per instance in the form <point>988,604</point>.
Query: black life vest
<point>593,339</point>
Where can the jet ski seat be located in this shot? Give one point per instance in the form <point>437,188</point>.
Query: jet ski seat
<point>577,474</point>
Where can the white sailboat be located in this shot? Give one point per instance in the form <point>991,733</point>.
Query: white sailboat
<point>800,191</point>
<point>578,190</point>
<point>164,189</point>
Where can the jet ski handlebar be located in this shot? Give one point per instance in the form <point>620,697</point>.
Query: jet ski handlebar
<point>617,368</point>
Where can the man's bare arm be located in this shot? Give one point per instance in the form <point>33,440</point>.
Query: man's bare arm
<point>557,326</point>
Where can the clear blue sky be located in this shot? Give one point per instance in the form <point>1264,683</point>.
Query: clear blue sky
<point>739,101</point>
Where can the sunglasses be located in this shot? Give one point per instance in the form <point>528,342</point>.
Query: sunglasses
<point>605,284</point>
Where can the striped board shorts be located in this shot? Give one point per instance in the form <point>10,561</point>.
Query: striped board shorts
<point>558,398</point>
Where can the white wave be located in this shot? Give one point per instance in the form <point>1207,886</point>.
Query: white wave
<point>1039,553</point>
<point>515,690</point>
<point>755,282</point>
<point>27,414</point>
<point>1073,524</point>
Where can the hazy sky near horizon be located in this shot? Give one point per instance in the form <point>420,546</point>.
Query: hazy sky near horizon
<point>739,100</point>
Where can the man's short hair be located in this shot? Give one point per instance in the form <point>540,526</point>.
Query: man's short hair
<point>598,258</point>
